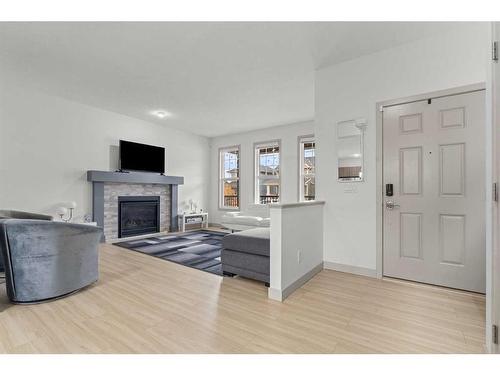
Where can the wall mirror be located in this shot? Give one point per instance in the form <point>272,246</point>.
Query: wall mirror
<point>350,150</point>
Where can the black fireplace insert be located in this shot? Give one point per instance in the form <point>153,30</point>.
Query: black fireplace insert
<point>138,215</point>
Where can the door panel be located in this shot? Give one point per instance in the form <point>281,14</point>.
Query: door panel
<point>411,235</point>
<point>434,157</point>
<point>452,239</point>
<point>452,118</point>
<point>410,161</point>
<point>451,170</point>
<point>410,123</point>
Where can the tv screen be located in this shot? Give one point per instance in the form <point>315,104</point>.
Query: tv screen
<point>141,157</point>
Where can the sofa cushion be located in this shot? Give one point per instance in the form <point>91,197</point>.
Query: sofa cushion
<point>253,241</point>
<point>243,220</point>
<point>245,260</point>
<point>265,222</point>
<point>251,274</point>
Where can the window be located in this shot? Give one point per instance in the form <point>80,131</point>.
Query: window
<point>267,173</point>
<point>229,177</point>
<point>307,171</point>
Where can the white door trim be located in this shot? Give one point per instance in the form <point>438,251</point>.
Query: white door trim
<point>379,153</point>
<point>492,219</point>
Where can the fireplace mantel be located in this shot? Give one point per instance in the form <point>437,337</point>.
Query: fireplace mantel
<point>133,178</point>
<point>101,178</point>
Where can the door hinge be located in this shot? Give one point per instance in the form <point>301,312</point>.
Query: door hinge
<point>494,334</point>
<point>495,192</point>
<point>494,51</point>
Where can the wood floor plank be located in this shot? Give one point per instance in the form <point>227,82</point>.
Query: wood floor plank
<point>143,304</point>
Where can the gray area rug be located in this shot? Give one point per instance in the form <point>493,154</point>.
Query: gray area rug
<point>197,249</point>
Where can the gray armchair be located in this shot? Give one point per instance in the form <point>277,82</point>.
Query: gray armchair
<point>44,259</point>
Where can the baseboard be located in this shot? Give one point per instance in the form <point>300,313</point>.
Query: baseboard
<point>281,295</point>
<point>362,271</point>
<point>275,294</point>
<point>302,280</point>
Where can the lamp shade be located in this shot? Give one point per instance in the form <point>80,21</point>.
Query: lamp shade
<point>71,204</point>
<point>62,211</point>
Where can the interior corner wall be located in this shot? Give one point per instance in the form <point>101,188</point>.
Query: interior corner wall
<point>288,136</point>
<point>351,90</point>
<point>47,144</point>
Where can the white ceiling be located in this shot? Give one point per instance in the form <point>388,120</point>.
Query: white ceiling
<point>215,78</point>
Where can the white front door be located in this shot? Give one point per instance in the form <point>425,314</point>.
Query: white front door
<point>434,223</point>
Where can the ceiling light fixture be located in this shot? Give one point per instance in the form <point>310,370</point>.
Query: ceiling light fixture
<point>161,114</point>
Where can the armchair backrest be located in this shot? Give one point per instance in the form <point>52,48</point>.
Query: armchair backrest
<point>12,214</point>
<point>44,259</point>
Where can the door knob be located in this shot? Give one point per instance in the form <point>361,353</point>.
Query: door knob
<point>390,205</point>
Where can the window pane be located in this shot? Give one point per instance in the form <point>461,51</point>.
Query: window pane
<point>231,168</point>
<point>269,191</point>
<point>229,178</point>
<point>269,161</point>
<point>309,188</point>
<point>309,156</point>
<point>267,174</point>
<point>230,193</point>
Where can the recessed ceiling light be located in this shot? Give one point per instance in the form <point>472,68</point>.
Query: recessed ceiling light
<point>161,114</point>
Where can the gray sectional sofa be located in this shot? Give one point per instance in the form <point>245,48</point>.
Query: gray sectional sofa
<point>246,254</point>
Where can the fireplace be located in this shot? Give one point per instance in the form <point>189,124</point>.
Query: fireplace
<point>138,215</point>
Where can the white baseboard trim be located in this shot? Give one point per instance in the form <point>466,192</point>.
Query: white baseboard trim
<point>302,280</point>
<point>362,271</point>
<point>281,295</point>
<point>275,294</point>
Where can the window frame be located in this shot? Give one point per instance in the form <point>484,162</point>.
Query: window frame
<point>222,179</point>
<point>256,147</point>
<point>300,144</point>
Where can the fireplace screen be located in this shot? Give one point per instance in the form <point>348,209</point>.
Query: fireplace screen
<point>138,215</point>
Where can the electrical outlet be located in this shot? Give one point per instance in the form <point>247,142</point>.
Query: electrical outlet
<point>299,256</point>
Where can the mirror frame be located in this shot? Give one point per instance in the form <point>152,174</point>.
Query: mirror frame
<point>361,125</point>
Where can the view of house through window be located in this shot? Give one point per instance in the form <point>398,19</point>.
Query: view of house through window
<point>267,180</point>
<point>307,171</point>
<point>229,181</point>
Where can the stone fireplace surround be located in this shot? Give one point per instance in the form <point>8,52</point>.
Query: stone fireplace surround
<point>108,186</point>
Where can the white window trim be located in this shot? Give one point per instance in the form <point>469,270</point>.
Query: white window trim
<point>256,146</point>
<point>222,179</point>
<point>300,141</point>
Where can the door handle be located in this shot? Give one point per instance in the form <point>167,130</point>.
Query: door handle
<point>390,205</point>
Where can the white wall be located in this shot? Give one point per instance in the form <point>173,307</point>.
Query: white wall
<point>296,246</point>
<point>351,90</point>
<point>288,134</point>
<point>48,143</point>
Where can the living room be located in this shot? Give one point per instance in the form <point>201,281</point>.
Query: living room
<point>248,187</point>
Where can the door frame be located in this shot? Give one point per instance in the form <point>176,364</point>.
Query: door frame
<point>493,152</point>
<point>380,162</point>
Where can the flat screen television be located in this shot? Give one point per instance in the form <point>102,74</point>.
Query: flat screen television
<point>141,158</point>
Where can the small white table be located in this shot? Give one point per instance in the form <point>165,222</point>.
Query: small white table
<point>185,218</point>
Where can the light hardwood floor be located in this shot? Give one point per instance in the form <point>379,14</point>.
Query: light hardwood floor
<point>142,304</point>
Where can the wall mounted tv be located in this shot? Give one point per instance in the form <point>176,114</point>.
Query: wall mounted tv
<point>141,158</point>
